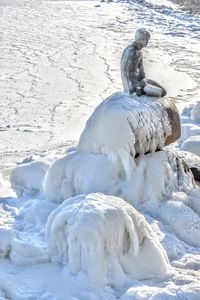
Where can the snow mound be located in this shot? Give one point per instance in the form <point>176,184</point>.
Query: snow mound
<point>145,292</point>
<point>192,144</point>
<point>24,253</point>
<point>6,238</point>
<point>79,173</point>
<point>28,178</point>
<point>106,238</point>
<point>195,113</point>
<point>188,130</point>
<point>2,296</point>
<point>123,126</point>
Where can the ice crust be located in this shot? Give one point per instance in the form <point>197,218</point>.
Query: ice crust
<point>105,237</point>
<point>122,126</point>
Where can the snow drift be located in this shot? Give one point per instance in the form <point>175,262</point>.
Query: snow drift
<point>123,126</point>
<point>105,237</point>
<point>28,178</point>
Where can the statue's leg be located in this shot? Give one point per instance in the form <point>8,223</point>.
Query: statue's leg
<point>152,82</point>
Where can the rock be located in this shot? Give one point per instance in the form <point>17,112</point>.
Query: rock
<point>124,126</point>
<point>174,118</point>
<point>106,238</point>
<point>193,162</point>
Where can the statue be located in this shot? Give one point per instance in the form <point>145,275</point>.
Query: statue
<point>132,69</point>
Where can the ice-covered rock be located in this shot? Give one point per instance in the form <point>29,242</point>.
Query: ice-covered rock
<point>195,112</point>
<point>105,237</point>
<point>188,130</point>
<point>192,144</point>
<point>79,173</point>
<point>193,162</point>
<point>157,178</point>
<point>123,126</point>
<point>28,178</point>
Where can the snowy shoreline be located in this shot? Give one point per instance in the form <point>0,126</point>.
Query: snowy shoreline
<point>50,82</point>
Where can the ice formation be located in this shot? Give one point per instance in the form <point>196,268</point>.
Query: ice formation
<point>190,136</point>
<point>25,253</point>
<point>79,173</point>
<point>157,179</point>
<point>6,237</point>
<point>195,113</point>
<point>105,237</point>
<point>123,126</point>
<point>192,144</point>
<point>188,130</point>
<point>28,178</point>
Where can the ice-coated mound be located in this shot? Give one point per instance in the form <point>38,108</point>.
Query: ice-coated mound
<point>2,296</point>
<point>106,238</point>
<point>195,112</point>
<point>157,178</point>
<point>28,178</point>
<point>123,126</point>
<point>79,173</point>
<point>188,130</point>
<point>192,144</point>
<point>6,237</point>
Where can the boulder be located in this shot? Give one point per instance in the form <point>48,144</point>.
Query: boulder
<point>107,239</point>
<point>124,126</point>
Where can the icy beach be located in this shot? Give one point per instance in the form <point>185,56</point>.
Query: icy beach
<point>79,225</point>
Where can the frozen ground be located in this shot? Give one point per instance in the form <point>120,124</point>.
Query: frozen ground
<point>59,60</point>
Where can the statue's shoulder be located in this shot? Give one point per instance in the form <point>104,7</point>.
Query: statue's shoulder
<point>130,50</point>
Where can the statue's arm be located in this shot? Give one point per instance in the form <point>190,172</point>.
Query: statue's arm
<point>126,69</point>
<point>126,62</point>
<point>141,74</point>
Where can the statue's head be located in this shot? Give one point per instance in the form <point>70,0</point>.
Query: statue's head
<point>142,37</point>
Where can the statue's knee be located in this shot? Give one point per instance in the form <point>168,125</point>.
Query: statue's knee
<point>164,92</point>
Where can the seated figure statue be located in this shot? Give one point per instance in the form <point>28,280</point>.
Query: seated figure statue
<point>132,69</point>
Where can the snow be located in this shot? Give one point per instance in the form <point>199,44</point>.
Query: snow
<point>59,60</point>
<point>117,128</point>
<point>28,178</point>
<point>152,293</point>
<point>79,173</point>
<point>190,137</point>
<point>6,236</point>
<point>106,238</point>
<point>192,144</point>
<point>195,113</point>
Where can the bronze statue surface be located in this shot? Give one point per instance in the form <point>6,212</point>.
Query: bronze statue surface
<point>132,68</point>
